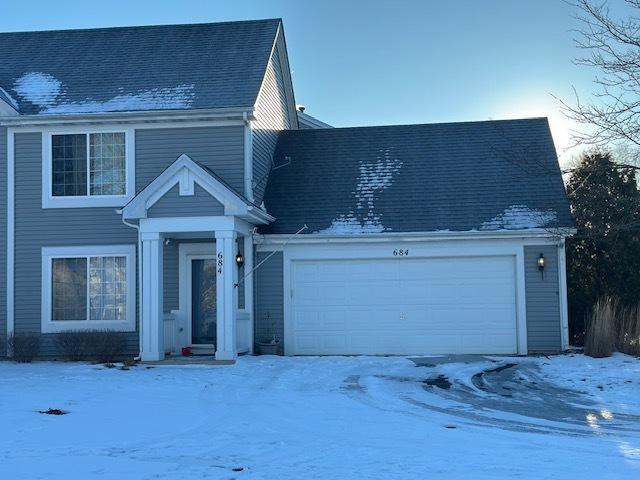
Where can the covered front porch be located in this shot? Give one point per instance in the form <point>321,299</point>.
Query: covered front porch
<point>214,295</point>
<point>195,244</point>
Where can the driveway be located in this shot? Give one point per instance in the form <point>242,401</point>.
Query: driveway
<point>516,394</point>
<point>324,417</point>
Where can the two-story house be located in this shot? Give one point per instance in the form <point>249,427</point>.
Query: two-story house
<point>160,182</point>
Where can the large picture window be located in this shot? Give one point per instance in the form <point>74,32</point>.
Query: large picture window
<point>88,287</point>
<point>86,169</point>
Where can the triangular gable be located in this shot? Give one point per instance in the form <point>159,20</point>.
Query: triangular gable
<point>186,173</point>
<point>280,57</point>
<point>8,106</point>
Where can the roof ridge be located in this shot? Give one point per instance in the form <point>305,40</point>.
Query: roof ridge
<point>141,27</point>
<point>466,122</point>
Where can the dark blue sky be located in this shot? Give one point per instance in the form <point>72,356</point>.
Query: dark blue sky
<point>383,62</point>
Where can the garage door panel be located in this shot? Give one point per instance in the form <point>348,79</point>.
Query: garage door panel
<point>404,306</point>
<point>371,293</point>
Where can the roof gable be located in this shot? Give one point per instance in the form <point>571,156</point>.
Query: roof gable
<point>8,106</point>
<point>485,176</point>
<point>168,67</point>
<point>190,177</point>
<point>173,204</point>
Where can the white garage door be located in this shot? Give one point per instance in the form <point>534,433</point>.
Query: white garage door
<point>403,306</point>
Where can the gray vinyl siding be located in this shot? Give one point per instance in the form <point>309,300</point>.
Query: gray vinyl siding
<point>174,205</point>
<point>36,228</point>
<point>543,300</point>
<point>3,241</point>
<point>273,114</point>
<point>221,149</point>
<point>269,306</point>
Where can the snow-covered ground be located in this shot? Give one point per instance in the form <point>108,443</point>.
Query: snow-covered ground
<point>331,417</point>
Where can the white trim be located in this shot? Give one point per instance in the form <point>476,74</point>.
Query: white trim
<point>521,303</point>
<point>540,235</point>
<point>562,292</point>
<point>194,224</point>
<point>417,249</point>
<point>49,253</point>
<point>226,298</point>
<point>157,117</point>
<point>152,321</point>
<point>186,253</point>
<point>50,201</point>
<point>10,235</point>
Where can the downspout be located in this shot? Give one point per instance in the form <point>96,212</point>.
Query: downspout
<point>137,227</point>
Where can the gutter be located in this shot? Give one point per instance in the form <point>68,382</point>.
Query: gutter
<point>261,215</point>
<point>139,297</point>
<point>235,113</point>
<point>278,239</point>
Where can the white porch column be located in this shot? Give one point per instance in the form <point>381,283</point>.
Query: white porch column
<point>152,316</point>
<point>248,284</point>
<point>226,278</point>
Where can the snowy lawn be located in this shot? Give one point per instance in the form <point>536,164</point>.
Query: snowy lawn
<point>330,417</point>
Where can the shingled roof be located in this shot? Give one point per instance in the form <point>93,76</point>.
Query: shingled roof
<point>485,176</point>
<point>166,67</point>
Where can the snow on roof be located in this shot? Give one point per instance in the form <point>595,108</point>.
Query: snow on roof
<point>47,92</point>
<point>373,178</point>
<point>519,217</point>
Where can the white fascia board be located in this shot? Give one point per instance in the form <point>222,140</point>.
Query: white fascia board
<point>193,224</point>
<point>156,116</point>
<point>259,215</point>
<point>530,234</point>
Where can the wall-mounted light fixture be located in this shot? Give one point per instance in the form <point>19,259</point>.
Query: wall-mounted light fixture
<point>540,264</point>
<point>239,260</point>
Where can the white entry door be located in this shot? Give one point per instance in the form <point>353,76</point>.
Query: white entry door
<point>403,306</point>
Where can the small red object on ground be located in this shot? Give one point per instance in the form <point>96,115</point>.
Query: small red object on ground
<point>186,351</point>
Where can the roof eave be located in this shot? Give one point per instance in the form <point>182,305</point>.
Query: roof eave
<point>559,232</point>
<point>140,116</point>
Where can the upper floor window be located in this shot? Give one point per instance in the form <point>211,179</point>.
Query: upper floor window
<point>88,169</point>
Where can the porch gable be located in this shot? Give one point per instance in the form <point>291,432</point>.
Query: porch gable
<point>187,184</point>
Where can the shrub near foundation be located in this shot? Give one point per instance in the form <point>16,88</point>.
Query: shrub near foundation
<point>25,346</point>
<point>104,346</point>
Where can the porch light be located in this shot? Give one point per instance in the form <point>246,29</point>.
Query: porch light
<point>541,264</point>
<point>239,260</point>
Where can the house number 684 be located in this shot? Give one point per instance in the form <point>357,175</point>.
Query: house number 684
<point>401,252</point>
<point>220,263</point>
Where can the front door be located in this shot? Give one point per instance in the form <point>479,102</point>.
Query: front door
<point>203,301</point>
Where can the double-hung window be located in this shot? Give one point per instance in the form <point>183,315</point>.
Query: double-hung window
<point>88,288</point>
<point>88,169</point>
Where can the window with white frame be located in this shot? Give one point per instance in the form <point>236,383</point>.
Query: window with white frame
<point>88,287</point>
<point>87,168</point>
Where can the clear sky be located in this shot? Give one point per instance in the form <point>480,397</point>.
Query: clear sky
<point>372,62</point>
